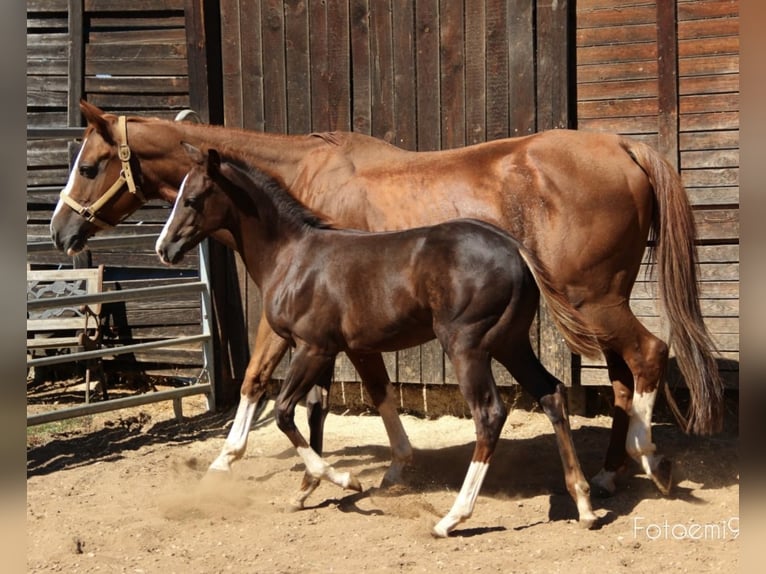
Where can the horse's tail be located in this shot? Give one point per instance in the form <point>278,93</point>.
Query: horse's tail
<point>675,255</point>
<point>581,338</point>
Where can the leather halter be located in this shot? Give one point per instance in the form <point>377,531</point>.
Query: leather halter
<point>90,212</point>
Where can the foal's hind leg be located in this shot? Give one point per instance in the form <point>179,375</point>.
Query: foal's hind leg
<point>477,384</point>
<point>549,392</point>
<point>637,361</point>
<point>372,370</point>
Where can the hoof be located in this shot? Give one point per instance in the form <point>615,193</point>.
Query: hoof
<point>662,475</point>
<point>603,484</point>
<point>588,522</point>
<point>439,531</point>
<point>354,484</point>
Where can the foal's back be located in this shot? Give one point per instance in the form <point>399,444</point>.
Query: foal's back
<point>349,291</point>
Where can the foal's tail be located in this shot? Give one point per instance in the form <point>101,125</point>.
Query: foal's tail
<point>675,255</point>
<point>579,336</point>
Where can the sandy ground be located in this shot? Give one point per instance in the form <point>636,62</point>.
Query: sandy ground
<point>123,492</point>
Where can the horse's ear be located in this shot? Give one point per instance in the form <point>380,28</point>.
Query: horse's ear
<point>194,153</point>
<point>213,161</point>
<point>95,117</point>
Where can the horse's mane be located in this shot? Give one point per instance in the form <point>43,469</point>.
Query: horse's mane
<point>256,183</point>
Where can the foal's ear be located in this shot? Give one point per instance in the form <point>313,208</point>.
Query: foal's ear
<point>213,161</point>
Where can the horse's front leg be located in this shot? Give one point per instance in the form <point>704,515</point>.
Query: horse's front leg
<point>268,351</point>
<point>308,368</point>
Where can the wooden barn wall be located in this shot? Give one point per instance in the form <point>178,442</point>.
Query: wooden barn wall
<point>423,75</point>
<point>128,58</point>
<point>668,73</point>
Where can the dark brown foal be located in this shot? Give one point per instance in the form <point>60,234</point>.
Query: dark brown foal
<point>466,283</point>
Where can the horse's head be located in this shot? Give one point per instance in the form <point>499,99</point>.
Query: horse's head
<point>197,211</point>
<point>104,185</point>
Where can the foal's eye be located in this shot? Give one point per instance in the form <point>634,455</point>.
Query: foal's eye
<point>192,202</point>
<point>89,171</point>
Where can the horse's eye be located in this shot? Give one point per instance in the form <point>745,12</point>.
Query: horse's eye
<point>191,201</point>
<point>89,171</point>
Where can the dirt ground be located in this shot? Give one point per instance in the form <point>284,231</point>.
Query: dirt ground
<point>123,492</point>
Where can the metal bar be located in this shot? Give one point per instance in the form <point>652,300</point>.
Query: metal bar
<point>114,404</point>
<point>114,351</point>
<point>116,296</point>
<point>206,308</point>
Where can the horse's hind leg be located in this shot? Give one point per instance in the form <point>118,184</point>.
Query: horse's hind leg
<point>267,352</point>
<point>489,413</point>
<point>636,360</point>
<point>373,373</point>
<point>549,392</point>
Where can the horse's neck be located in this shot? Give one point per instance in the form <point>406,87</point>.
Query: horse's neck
<point>166,163</point>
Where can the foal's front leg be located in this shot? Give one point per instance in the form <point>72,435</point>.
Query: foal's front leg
<point>308,368</point>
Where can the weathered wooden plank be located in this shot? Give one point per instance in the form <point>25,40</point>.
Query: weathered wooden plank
<point>622,107</point>
<point>475,79</point>
<point>616,35</point>
<point>628,126</point>
<point>693,10</point>
<point>382,71</point>
<point>274,80</point>
<point>605,54</point>
<point>708,28</point>
<point>140,102</point>
<point>615,90</point>
<point>710,177</point>
<point>298,67</point>
<point>135,84</point>
<point>498,81</point>
<point>710,158</point>
<point>318,49</point>
<point>522,96</point>
<point>707,65</point>
<point>714,140</point>
<point>360,66</point>
<point>339,66</point>
<point>696,47</point>
<point>46,6</point>
<point>624,17</point>
<point>405,96</point>
<point>452,81</point>
<point>667,82</point>
<point>718,83</point>
<point>617,71</point>
<point>133,6</point>
<point>429,103</point>
<point>712,196</point>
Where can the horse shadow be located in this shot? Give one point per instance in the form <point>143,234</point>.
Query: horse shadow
<point>521,468</point>
<point>524,468</point>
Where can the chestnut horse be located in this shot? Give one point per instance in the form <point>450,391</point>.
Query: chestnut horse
<point>584,203</point>
<point>327,290</point>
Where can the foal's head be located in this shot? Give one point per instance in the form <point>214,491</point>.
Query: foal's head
<point>200,208</point>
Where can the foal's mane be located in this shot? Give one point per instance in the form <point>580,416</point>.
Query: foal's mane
<point>256,186</point>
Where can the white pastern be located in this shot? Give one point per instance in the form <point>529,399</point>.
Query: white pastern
<point>236,441</point>
<point>639,442</point>
<point>317,467</point>
<point>465,501</point>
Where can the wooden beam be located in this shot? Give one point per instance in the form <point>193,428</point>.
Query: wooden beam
<point>76,62</point>
<point>667,81</point>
